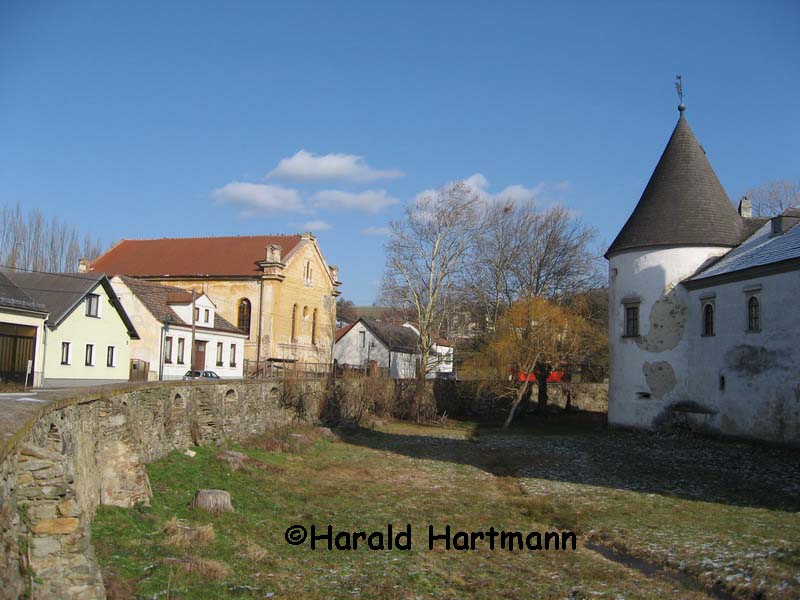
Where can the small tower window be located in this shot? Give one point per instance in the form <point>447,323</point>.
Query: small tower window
<point>708,319</point>
<point>294,322</point>
<point>753,314</point>
<point>632,320</point>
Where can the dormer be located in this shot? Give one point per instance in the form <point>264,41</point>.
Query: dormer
<point>785,221</point>
<point>204,309</point>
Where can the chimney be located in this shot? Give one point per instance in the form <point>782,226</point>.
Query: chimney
<point>274,253</point>
<point>745,208</point>
<point>784,222</point>
<point>84,264</point>
<point>334,272</point>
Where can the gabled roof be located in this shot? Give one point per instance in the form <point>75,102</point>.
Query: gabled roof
<point>234,256</point>
<point>396,337</point>
<point>343,330</point>
<point>156,299</point>
<point>61,293</point>
<point>683,204</point>
<point>13,297</point>
<point>762,250</point>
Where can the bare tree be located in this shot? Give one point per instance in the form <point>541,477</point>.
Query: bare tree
<point>525,252</point>
<point>32,241</point>
<point>557,257</point>
<point>773,198</point>
<point>506,229</point>
<point>425,257</point>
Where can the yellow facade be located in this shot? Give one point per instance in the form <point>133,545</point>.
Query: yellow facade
<point>299,284</point>
<point>106,330</point>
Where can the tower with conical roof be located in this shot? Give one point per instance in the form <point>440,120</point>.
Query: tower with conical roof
<point>683,219</point>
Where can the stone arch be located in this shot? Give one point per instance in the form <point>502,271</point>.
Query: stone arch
<point>231,399</point>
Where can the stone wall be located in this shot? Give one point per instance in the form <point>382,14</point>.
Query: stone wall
<point>90,448</point>
<point>487,398</point>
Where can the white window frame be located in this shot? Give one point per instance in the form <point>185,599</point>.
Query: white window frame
<point>88,301</point>
<point>68,347</point>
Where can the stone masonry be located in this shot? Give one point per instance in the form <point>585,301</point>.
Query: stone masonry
<point>90,448</point>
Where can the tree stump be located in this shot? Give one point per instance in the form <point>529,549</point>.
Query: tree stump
<point>215,502</point>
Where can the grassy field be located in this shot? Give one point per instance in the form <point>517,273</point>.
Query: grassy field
<point>656,516</point>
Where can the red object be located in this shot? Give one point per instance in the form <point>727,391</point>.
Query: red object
<point>189,257</point>
<point>557,375</point>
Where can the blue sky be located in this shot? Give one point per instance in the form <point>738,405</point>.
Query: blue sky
<point>162,119</point>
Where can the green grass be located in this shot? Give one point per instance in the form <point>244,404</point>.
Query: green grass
<point>670,500</point>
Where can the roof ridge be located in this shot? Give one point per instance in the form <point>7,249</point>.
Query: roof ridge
<point>207,237</point>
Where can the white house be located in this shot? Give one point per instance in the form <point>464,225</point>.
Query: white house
<point>440,358</point>
<point>703,311</point>
<point>163,317</point>
<point>87,334</point>
<point>21,335</point>
<point>389,346</point>
<point>392,347</point>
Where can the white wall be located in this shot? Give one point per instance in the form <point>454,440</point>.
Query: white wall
<point>651,275</point>
<point>440,361</point>
<point>176,370</point>
<point>107,329</point>
<point>203,304</point>
<point>440,358</point>
<point>349,350</point>
<point>404,365</point>
<point>761,369</point>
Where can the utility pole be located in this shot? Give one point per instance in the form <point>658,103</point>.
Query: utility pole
<point>192,346</point>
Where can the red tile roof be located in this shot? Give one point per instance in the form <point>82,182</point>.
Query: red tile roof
<point>220,256</point>
<point>342,330</point>
<point>181,297</point>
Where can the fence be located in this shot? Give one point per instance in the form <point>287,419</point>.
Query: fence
<point>267,369</point>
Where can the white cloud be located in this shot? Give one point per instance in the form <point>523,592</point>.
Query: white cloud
<point>307,166</point>
<point>514,193</point>
<point>369,201</point>
<point>317,225</point>
<point>376,231</point>
<point>477,182</point>
<point>257,198</point>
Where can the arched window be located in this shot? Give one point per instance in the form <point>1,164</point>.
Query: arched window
<point>294,322</point>
<point>753,314</point>
<point>708,319</point>
<point>314,328</point>
<point>243,316</point>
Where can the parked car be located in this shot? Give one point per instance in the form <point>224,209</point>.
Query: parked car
<point>191,375</point>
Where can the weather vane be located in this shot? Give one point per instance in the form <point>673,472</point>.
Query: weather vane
<point>679,89</point>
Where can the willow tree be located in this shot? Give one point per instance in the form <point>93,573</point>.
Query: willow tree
<point>425,261</point>
<point>535,334</point>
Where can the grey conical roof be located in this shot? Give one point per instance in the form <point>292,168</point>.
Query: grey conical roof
<point>683,204</point>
